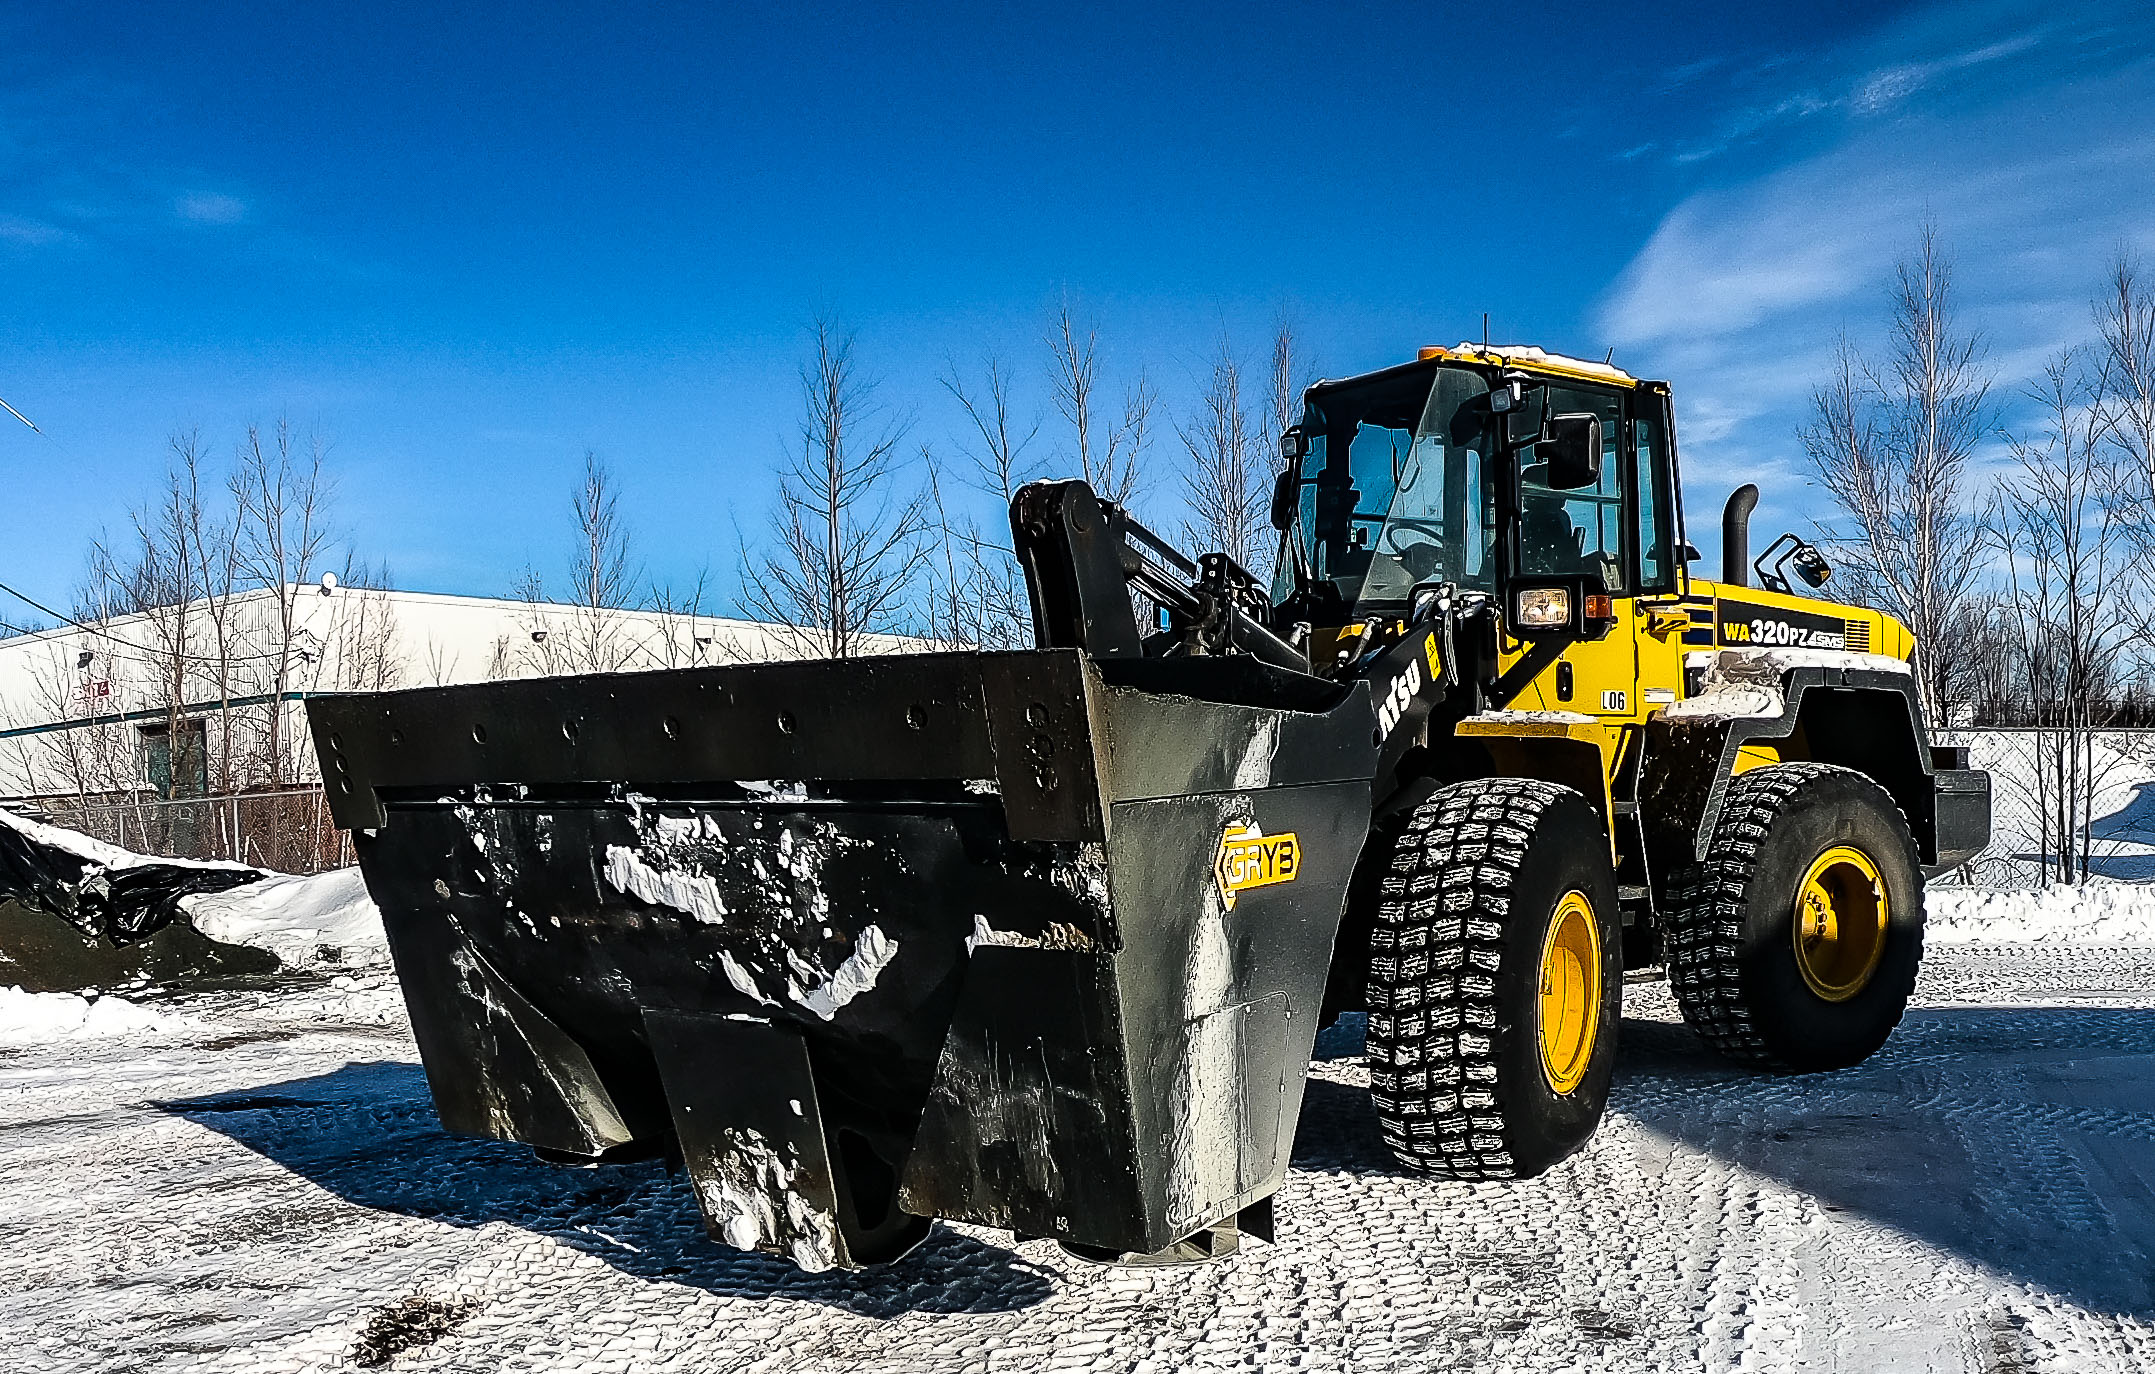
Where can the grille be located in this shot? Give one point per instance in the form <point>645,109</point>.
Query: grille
<point>1858,638</point>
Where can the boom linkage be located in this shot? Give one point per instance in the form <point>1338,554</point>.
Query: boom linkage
<point>1085,559</point>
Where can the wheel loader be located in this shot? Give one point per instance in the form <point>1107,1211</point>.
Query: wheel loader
<point>1041,940</point>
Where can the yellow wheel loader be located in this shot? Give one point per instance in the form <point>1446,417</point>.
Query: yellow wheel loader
<point>1042,940</point>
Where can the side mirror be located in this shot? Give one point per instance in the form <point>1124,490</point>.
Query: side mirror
<point>1812,567</point>
<point>1286,495</point>
<point>1809,563</point>
<point>1571,447</point>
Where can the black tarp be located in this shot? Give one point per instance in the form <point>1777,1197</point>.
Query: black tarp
<point>121,905</point>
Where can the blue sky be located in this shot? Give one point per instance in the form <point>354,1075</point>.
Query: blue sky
<point>464,249</point>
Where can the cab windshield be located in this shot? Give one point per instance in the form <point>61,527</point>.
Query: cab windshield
<point>1393,486</point>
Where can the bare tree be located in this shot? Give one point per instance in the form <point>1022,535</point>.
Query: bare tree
<point>1985,635</point>
<point>218,548</point>
<point>2071,592</point>
<point>199,608</point>
<point>156,581</point>
<point>174,578</point>
<point>976,595</point>
<point>2125,319</point>
<point>976,591</point>
<point>601,574</point>
<point>845,550</point>
<point>1291,376</point>
<point>441,664</point>
<point>365,652</point>
<point>1892,446</point>
<point>282,491</point>
<point>1227,474</point>
<point>996,447</point>
<point>954,611</point>
<point>1109,455</point>
<point>97,762</point>
<point>358,572</point>
<point>682,639</point>
<point>538,653</point>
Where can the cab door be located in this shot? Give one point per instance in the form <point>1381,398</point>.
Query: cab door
<point>1584,530</point>
<point>1671,623</point>
<point>1628,528</point>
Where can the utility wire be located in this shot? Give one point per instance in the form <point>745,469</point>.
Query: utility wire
<point>36,605</point>
<point>156,655</point>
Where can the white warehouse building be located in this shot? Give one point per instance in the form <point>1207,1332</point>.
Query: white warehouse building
<point>208,699</point>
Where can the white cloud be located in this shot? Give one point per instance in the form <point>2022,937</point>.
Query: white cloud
<point>210,207</point>
<point>2035,175</point>
<point>1882,89</point>
<point>29,233</point>
<point>1725,261</point>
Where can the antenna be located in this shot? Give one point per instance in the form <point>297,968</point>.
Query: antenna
<point>1611,359</point>
<point>1485,331</point>
<point>20,416</point>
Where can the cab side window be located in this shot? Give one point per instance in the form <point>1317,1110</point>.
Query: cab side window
<point>1566,532</point>
<point>1651,480</point>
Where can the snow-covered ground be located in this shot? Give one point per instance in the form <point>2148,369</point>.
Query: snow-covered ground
<point>262,1185</point>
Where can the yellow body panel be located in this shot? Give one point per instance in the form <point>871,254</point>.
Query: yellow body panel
<point>1758,754</point>
<point>1866,631</point>
<point>1620,680</point>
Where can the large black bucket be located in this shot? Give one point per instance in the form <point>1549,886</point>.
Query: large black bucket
<point>1019,938</point>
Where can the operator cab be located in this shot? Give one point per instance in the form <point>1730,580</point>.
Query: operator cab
<point>1497,471</point>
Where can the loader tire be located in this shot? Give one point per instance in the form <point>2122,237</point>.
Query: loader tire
<point>1795,943</point>
<point>1495,981</point>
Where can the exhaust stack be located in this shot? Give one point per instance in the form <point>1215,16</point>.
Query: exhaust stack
<point>1736,534</point>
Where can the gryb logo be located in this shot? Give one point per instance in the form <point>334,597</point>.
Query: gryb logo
<point>1250,858</point>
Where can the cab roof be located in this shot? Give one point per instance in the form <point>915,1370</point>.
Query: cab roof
<point>1524,357</point>
<point>1530,359</point>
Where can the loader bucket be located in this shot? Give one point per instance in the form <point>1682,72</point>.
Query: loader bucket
<point>1022,939</point>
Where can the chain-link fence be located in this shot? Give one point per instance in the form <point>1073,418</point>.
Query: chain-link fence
<point>287,830</point>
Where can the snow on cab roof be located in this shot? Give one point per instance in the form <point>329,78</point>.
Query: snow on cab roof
<point>1529,356</point>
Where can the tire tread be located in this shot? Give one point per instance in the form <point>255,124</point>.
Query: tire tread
<point>1435,953</point>
<point>1707,908</point>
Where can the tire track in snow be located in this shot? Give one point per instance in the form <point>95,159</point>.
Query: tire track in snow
<point>1719,1221</point>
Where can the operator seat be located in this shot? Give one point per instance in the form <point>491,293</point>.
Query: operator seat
<point>1549,543</point>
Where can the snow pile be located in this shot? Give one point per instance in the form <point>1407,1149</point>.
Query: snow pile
<point>2094,913</point>
<point>1747,682</point>
<point>1527,353</point>
<point>32,1017</point>
<point>325,919</point>
<point>1530,718</point>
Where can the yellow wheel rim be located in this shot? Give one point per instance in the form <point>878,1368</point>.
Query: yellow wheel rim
<point>1569,1012</point>
<point>1840,925</point>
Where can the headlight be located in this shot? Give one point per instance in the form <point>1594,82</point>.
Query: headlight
<point>1543,608</point>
